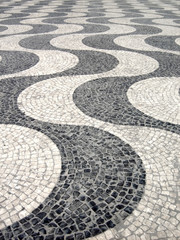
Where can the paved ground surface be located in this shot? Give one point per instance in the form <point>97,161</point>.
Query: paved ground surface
<point>90,119</point>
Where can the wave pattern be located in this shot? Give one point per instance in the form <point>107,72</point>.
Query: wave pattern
<point>89,120</point>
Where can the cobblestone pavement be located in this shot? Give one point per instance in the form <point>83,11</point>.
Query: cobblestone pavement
<point>89,119</point>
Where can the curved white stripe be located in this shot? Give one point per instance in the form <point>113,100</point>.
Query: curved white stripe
<point>73,42</point>
<point>165,22</point>
<point>34,20</point>
<point>151,15</point>
<point>36,15</point>
<point>4,15</point>
<point>46,10</point>
<point>80,6</point>
<point>78,20</point>
<point>137,42</point>
<point>169,30</point>
<point>34,101</point>
<point>157,212</point>
<point>158,98</point>
<point>30,166</point>
<point>114,10</point>
<point>128,20</point>
<point>75,14</point>
<point>51,101</point>
<point>46,62</point>
<point>130,63</point>
<point>158,149</point>
<point>80,10</point>
<point>119,29</point>
<point>13,29</point>
<point>62,28</point>
<point>10,11</point>
<point>50,62</point>
<point>67,28</point>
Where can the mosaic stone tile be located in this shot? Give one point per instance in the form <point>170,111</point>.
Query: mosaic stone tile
<point>166,42</point>
<point>159,94</point>
<point>13,21</point>
<point>41,29</point>
<point>169,22</point>
<point>117,109</point>
<point>82,202</point>
<point>46,59</point>
<point>16,61</point>
<point>152,218</point>
<point>26,178</point>
<point>89,120</point>
<point>14,29</point>
<point>126,42</point>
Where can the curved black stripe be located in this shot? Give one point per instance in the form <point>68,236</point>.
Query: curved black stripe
<point>106,99</point>
<point>163,42</point>
<point>16,61</point>
<point>101,182</point>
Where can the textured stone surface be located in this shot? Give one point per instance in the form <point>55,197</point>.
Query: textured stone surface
<point>89,120</point>
<point>157,97</point>
<point>30,167</point>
